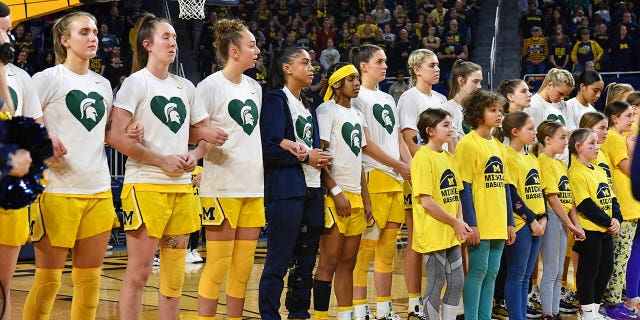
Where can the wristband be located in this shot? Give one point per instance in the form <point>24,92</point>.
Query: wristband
<point>336,190</point>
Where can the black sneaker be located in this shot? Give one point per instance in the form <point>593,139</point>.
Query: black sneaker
<point>532,312</point>
<point>567,307</point>
<point>416,315</point>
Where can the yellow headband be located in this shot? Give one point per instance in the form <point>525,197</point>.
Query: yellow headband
<point>338,75</point>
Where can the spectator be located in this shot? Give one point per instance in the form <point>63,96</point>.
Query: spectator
<point>133,13</point>
<point>438,14</point>
<point>303,11</point>
<point>532,18</point>
<point>343,41</point>
<point>289,41</point>
<point>21,62</point>
<point>304,39</point>
<point>388,36</point>
<point>116,67</point>
<point>398,87</point>
<point>343,10</point>
<point>381,14</point>
<point>535,51</point>
<point>283,14</point>
<point>48,61</point>
<point>622,51</point>
<point>258,72</point>
<point>458,37</point>
<point>115,22</point>
<point>590,66</point>
<point>585,50</point>
<point>329,55</point>
<point>368,22</point>
<point>380,42</point>
<point>324,34</point>
<point>584,24</point>
<point>319,73</point>
<point>448,53</point>
<point>261,40</point>
<point>413,36</point>
<point>262,15</point>
<point>425,7</point>
<point>602,37</point>
<point>402,49</point>
<point>367,37</point>
<point>556,18</point>
<point>355,42</point>
<point>399,19</point>
<point>633,29</point>
<point>577,19</point>
<point>106,41</point>
<point>429,22</point>
<point>559,53</point>
<point>603,12</point>
<point>96,64</point>
<point>431,41</point>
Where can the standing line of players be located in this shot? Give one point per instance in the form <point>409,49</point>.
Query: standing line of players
<point>476,183</point>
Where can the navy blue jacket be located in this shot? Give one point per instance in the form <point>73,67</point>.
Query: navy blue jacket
<point>283,175</point>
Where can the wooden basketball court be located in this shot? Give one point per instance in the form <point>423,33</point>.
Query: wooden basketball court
<point>113,274</point>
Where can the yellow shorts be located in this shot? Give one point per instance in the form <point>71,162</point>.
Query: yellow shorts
<point>14,227</point>
<point>163,209</point>
<point>349,226</point>
<point>240,212</point>
<point>387,199</point>
<point>67,218</point>
<point>407,195</point>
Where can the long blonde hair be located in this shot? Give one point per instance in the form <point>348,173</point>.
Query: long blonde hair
<point>558,77</point>
<point>61,29</point>
<point>415,60</point>
<point>615,91</point>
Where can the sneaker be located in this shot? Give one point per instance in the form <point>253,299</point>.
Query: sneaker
<point>569,296</point>
<point>621,312</point>
<point>532,312</point>
<point>189,258</point>
<point>534,299</point>
<point>567,307</point>
<point>156,261</point>
<point>500,310</point>
<point>196,255</point>
<point>416,315</point>
<point>390,316</point>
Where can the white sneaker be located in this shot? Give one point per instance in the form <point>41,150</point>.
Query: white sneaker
<point>196,255</point>
<point>189,258</point>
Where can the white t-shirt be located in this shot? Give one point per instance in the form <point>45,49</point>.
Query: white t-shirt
<point>413,102</point>
<point>166,108</point>
<point>457,118</point>
<point>235,169</point>
<point>542,110</point>
<point>76,108</point>
<point>303,130</point>
<point>380,117</point>
<point>343,129</point>
<point>577,110</point>
<point>25,99</point>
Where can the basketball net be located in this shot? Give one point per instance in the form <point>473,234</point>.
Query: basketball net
<point>191,9</point>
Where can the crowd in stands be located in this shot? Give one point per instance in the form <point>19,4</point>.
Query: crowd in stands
<point>579,35</point>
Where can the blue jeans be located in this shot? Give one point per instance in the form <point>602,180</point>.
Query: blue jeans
<point>530,68</point>
<point>295,226</point>
<point>484,262</point>
<point>553,247</point>
<point>521,258</point>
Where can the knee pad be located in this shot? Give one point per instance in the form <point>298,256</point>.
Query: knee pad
<point>366,251</point>
<point>172,271</point>
<point>241,264</point>
<point>86,292</point>
<point>385,251</point>
<point>215,270</point>
<point>46,284</point>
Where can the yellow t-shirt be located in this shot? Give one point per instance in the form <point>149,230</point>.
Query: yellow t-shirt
<point>590,182</point>
<point>434,173</point>
<point>554,177</point>
<point>482,165</point>
<point>524,173</point>
<point>615,147</point>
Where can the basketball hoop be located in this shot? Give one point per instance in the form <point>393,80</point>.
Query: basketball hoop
<point>191,9</point>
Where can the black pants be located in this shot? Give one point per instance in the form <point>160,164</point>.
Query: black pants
<point>594,266</point>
